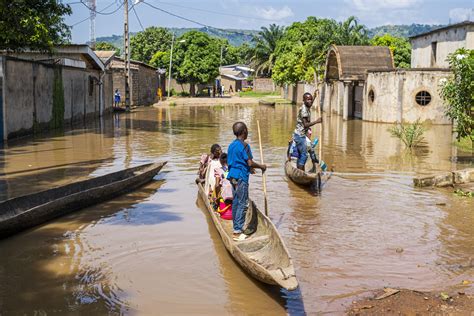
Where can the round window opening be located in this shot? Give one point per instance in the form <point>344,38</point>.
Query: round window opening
<point>423,98</point>
<point>371,96</point>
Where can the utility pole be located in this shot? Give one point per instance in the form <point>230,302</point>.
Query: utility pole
<point>92,14</point>
<point>126,57</point>
<point>169,72</point>
<point>222,50</point>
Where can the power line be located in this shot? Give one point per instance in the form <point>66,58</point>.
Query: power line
<point>216,12</point>
<point>193,21</point>
<point>175,15</point>
<point>99,12</point>
<point>102,11</point>
<point>136,15</point>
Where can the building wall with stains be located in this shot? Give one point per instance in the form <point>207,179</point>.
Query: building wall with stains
<point>38,96</point>
<point>391,96</point>
<point>432,50</point>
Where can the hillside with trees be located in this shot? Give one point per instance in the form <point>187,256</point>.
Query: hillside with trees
<point>238,37</point>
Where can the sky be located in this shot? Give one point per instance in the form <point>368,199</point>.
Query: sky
<point>253,14</point>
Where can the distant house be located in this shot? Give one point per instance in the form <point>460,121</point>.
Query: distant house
<point>431,49</point>
<point>145,79</point>
<point>40,90</point>
<point>235,76</point>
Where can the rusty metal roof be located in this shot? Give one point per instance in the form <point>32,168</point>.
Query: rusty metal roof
<point>351,63</point>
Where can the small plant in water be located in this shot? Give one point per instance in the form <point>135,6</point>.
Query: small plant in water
<point>461,192</point>
<point>173,104</point>
<point>410,134</point>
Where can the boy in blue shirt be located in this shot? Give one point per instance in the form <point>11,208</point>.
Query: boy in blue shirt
<point>241,164</point>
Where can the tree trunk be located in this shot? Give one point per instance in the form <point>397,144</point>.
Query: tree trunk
<point>192,89</point>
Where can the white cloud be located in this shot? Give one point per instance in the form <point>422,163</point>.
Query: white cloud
<point>367,5</point>
<point>460,14</point>
<point>270,13</point>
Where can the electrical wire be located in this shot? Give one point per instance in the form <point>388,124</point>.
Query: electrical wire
<point>99,12</point>
<point>136,15</point>
<point>208,27</point>
<point>175,15</point>
<point>102,11</point>
<point>216,12</point>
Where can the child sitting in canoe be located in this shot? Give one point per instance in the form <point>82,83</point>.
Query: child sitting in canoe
<point>213,164</point>
<point>294,153</point>
<point>223,191</point>
<point>205,160</point>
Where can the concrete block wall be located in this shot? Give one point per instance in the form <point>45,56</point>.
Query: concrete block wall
<point>264,85</point>
<point>28,95</point>
<point>395,93</point>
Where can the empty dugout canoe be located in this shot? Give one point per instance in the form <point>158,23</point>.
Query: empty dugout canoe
<point>26,211</point>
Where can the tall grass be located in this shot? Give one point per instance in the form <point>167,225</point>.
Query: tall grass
<point>410,134</point>
<point>258,94</point>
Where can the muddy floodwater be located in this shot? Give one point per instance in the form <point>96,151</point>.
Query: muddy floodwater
<point>155,252</point>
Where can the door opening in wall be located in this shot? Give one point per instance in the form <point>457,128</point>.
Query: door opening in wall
<point>434,47</point>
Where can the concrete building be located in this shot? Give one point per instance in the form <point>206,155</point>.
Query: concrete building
<point>404,95</point>
<point>392,95</point>
<point>431,49</point>
<point>42,91</point>
<point>345,76</point>
<point>264,85</point>
<point>235,76</point>
<point>145,79</point>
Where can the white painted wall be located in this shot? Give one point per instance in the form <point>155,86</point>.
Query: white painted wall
<point>395,93</point>
<point>447,41</point>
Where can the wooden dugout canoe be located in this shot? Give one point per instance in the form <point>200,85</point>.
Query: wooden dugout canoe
<point>264,102</point>
<point>299,176</point>
<point>26,211</point>
<point>264,255</point>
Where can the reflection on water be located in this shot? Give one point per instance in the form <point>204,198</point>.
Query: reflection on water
<point>155,251</point>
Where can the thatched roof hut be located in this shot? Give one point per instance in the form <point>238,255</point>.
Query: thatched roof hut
<point>350,63</point>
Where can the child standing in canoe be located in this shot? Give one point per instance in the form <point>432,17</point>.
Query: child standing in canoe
<point>241,164</point>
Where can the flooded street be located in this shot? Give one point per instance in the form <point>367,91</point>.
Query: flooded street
<point>155,251</point>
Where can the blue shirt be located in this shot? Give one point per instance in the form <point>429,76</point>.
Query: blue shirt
<point>237,156</point>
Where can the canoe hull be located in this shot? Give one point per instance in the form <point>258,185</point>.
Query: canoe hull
<point>268,103</point>
<point>15,215</point>
<point>284,277</point>
<point>300,177</point>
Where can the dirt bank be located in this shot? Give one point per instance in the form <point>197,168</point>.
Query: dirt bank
<point>233,100</point>
<point>409,302</point>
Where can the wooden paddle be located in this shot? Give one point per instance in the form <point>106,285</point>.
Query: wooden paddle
<point>263,174</point>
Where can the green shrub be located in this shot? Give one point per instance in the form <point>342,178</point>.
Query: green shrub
<point>410,134</point>
<point>173,104</point>
<point>457,91</point>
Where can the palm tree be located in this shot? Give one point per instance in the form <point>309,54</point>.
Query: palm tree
<point>352,33</point>
<point>266,42</point>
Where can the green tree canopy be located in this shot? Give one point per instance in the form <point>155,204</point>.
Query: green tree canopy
<point>235,54</point>
<point>107,46</point>
<point>301,52</point>
<point>146,43</point>
<point>196,58</point>
<point>400,47</point>
<point>458,92</point>
<point>33,24</point>
<point>161,60</point>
